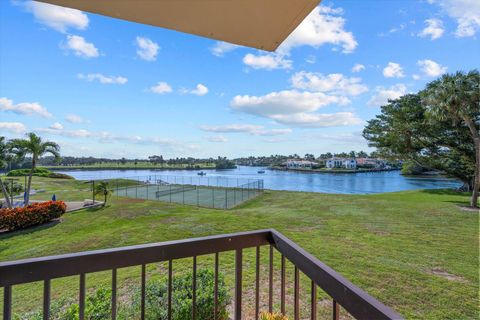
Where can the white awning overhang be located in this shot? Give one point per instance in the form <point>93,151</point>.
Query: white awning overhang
<point>261,24</point>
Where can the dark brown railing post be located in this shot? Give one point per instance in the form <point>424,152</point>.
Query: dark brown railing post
<point>142,299</point>
<point>215,289</point>
<point>296,305</point>
<point>7,303</point>
<point>335,310</point>
<point>81,298</point>
<point>257,283</point>
<point>270,282</point>
<point>169,311</point>
<point>238,284</point>
<point>282,285</point>
<point>46,299</point>
<point>114,294</point>
<point>194,289</point>
<point>313,302</point>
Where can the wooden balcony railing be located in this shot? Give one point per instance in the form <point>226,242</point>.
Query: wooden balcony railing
<point>343,293</point>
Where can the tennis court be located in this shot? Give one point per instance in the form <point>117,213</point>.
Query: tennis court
<point>210,196</point>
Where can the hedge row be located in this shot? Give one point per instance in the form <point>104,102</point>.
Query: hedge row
<point>31,215</point>
<point>39,172</point>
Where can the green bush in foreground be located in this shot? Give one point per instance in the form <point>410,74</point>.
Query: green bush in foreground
<point>98,307</point>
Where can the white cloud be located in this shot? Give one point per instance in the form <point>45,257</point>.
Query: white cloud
<point>13,127</point>
<point>335,83</point>
<point>431,68</point>
<point>311,59</point>
<point>465,12</point>
<point>358,67</point>
<point>434,29</point>
<point>56,126</point>
<point>269,61</point>
<point>161,88</point>
<point>200,90</point>
<point>102,78</point>
<point>318,120</point>
<point>73,118</point>
<point>382,94</point>
<point>252,129</point>
<point>218,138</point>
<point>222,47</point>
<point>81,47</point>
<point>284,102</point>
<point>324,25</point>
<point>56,17</point>
<point>291,107</point>
<point>147,49</point>
<point>393,70</point>
<point>415,77</point>
<point>24,108</point>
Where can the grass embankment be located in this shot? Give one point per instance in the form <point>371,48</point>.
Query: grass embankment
<point>130,165</point>
<point>415,251</point>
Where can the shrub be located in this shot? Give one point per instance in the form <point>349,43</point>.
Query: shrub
<point>31,215</point>
<point>272,316</point>
<point>157,297</point>
<point>39,172</point>
<point>97,307</point>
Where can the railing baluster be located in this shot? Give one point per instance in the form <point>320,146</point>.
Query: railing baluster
<point>46,299</point>
<point>142,307</point>
<point>238,285</point>
<point>335,310</point>
<point>81,298</point>
<point>194,288</point>
<point>7,303</point>
<point>215,289</point>
<point>296,306</point>
<point>257,283</point>
<point>270,281</point>
<point>313,302</point>
<point>282,287</point>
<point>170,267</point>
<point>114,294</point>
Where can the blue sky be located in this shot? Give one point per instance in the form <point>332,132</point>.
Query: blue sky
<point>111,88</point>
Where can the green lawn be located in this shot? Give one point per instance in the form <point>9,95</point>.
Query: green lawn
<point>415,251</point>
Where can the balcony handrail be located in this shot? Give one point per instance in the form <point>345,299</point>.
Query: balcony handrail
<point>51,267</point>
<point>356,301</point>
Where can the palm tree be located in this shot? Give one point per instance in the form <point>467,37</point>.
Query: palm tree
<point>103,189</point>
<point>4,155</point>
<point>457,97</point>
<point>36,147</point>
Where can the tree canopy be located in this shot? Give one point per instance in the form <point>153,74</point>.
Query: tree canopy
<point>434,128</point>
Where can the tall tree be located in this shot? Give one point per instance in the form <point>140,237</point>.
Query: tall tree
<point>456,98</point>
<point>405,129</point>
<point>34,146</point>
<point>4,157</point>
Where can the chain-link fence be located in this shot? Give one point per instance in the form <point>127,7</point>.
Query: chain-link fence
<point>210,192</point>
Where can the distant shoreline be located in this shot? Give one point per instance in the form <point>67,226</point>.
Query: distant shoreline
<point>94,168</point>
<point>333,171</point>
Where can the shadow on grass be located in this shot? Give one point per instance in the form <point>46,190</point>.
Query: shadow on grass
<point>29,230</point>
<point>452,192</point>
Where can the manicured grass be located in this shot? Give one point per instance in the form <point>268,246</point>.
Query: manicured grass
<point>415,251</point>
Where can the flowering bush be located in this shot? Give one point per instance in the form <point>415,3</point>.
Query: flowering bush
<point>272,316</point>
<point>31,215</point>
